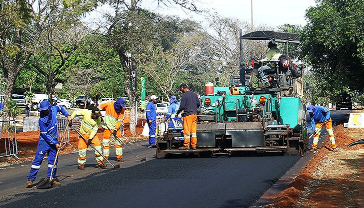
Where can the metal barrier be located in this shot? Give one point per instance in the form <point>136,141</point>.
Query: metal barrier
<point>63,130</point>
<point>8,143</point>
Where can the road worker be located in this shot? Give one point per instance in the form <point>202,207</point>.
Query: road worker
<point>89,125</point>
<point>189,105</point>
<point>113,120</point>
<point>172,112</point>
<point>151,115</point>
<point>319,118</point>
<point>48,142</point>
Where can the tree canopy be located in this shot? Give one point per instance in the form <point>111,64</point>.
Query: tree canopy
<point>332,42</point>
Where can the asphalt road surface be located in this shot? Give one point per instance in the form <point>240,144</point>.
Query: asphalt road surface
<point>220,182</point>
<point>175,182</point>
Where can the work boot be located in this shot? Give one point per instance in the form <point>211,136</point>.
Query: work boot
<point>101,166</point>
<point>29,184</point>
<point>183,148</point>
<point>81,166</point>
<point>121,160</point>
<point>56,182</point>
<point>194,148</point>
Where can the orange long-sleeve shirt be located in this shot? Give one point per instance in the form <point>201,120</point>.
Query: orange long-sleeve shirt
<point>112,119</point>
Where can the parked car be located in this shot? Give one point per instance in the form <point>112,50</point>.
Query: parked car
<point>83,100</point>
<point>162,108</point>
<point>65,103</point>
<point>19,99</point>
<point>344,101</point>
<point>105,100</point>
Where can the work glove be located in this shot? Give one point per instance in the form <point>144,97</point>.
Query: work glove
<point>114,133</point>
<point>70,123</point>
<point>89,142</point>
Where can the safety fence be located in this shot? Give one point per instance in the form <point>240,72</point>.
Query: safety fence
<point>8,142</point>
<point>63,130</point>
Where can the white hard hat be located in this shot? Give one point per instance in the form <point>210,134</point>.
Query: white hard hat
<point>153,97</point>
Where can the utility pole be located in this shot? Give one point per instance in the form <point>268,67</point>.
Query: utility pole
<point>251,13</point>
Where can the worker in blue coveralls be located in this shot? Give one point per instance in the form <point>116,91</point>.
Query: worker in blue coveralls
<point>172,112</point>
<point>151,115</point>
<point>48,141</point>
<point>320,117</point>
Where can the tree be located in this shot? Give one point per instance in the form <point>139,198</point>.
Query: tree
<point>94,55</point>
<point>58,29</point>
<point>15,41</point>
<point>179,41</point>
<point>332,42</point>
<point>131,32</point>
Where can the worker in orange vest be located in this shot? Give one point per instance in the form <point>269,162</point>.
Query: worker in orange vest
<point>113,120</point>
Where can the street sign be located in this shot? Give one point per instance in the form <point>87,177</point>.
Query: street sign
<point>356,120</point>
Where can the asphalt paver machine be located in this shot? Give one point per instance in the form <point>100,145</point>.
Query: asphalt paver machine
<point>248,115</point>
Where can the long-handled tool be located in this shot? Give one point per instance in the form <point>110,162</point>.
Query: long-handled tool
<point>93,147</point>
<point>319,130</point>
<point>48,182</point>
<point>121,141</point>
<point>361,141</point>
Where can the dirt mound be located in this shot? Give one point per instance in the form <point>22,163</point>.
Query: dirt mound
<point>287,198</point>
<point>329,179</point>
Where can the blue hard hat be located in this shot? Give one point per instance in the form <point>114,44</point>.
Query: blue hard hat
<point>173,99</point>
<point>44,105</point>
<point>311,108</point>
<point>120,103</point>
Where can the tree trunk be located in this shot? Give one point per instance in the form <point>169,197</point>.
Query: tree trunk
<point>11,70</point>
<point>130,89</point>
<point>50,87</point>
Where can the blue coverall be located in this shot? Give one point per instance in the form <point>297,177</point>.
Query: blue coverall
<point>47,142</point>
<point>172,114</point>
<point>151,115</point>
<point>320,117</point>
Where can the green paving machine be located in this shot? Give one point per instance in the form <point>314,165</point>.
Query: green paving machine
<point>261,110</point>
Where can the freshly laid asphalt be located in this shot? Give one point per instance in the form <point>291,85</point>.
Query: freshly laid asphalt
<point>175,182</point>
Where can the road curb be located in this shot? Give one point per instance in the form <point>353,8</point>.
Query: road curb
<point>283,182</point>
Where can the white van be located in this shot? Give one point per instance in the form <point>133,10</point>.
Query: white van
<point>37,98</point>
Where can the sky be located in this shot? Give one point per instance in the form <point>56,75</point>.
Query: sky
<point>265,12</point>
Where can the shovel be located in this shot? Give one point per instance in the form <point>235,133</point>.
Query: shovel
<point>93,147</point>
<point>121,141</point>
<point>48,182</point>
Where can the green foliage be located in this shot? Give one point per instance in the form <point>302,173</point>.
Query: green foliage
<point>13,109</point>
<point>95,56</point>
<point>333,43</point>
<point>29,80</point>
<point>293,49</point>
<point>29,95</point>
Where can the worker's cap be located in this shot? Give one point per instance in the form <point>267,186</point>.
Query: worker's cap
<point>119,104</point>
<point>311,108</point>
<point>183,86</point>
<point>154,97</point>
<point>44,105</point>
<point>96,111</point>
